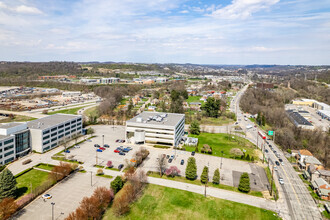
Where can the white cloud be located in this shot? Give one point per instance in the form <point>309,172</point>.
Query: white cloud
<point>240,9</point>
<point>27,10</point>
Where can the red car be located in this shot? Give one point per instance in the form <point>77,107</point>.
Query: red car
<point>102,148</point>
<point>116,151</point>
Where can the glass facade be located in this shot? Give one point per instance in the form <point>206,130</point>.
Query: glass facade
<point>22,142</point>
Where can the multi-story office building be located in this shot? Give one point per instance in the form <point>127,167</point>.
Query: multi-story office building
<point>14,141</point>
<point>156,127</point>
<point>51,131</point>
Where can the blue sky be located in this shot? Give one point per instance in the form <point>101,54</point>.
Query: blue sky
<point>164,31</point>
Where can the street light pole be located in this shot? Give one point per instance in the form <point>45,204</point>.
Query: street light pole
<point>91,178</point>
<point>221,159</point>
<point>103,140</point>
<point>53,203</point>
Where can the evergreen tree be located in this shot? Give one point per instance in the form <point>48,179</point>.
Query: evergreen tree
<point>194,127</point>
<point>7,184</point>
<point>117,184</point>
<point>244,183</point>
<point>248,157</point>
<point>216,176</point>
<point>211,107</point>
<point>263,120</point>
<point>205,175</point>
<point>191,170</point>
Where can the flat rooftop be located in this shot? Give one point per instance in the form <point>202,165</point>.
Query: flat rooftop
<point>171,119</point>
<point>298,118</point>
<point>50,121</point>
<point>10,125</point>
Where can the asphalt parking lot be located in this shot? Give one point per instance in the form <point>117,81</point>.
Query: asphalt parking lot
<point>66,195</point>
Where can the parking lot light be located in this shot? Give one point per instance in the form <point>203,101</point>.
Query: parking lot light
<point>53,204</point>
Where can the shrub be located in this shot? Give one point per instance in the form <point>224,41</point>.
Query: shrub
<point>81,168</point>
<point>172,171</point>
<point>216,176</point>
<point>61,171</point>
<point>117,184</point>
<point>7,208</point>
<point>244,183</point>
<point>252,158</point>
<point>25,200</point>
<point>74,166</point>
<point>191,170</point>
<point>206,149</point>
<point>248,157</point>
<point>109,164</point>
<point>99,171</point>
<point>194,128</point>
<point>205,175</point>
<point>196,149</point>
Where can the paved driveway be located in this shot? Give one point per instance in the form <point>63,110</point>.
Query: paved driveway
<point>66,196</point>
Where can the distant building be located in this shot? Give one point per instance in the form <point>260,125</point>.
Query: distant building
<point>156,128</point>
<point>71,94</point>
<point>110,80</point>
<point>298,120</point>
<point>56,77</point>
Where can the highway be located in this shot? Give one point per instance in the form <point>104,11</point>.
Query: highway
<point>295,201</point>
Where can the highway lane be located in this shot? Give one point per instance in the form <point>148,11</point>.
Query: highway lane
<point>297,202</point>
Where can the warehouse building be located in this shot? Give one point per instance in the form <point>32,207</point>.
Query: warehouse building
<point>49,132</point>
<point>14,141</point>
<point>156,128</point>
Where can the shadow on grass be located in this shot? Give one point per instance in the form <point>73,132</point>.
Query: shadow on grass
<point>21,191</point>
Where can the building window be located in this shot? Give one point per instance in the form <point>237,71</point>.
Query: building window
<point>68,128</point>
<point>67,133</point>
<point>46,142</point>
<point>8,160</point>
<point>54,129</point>
<point>61,126</point>
<point>8,147</point>
<point>61,131</point>
<point>46,137</point>
<point>53,134</point>
<point>54,139</point>
<point>8,141</point>
<point>79,119</point>
<point>60,136</point>
<point>67,124</point>
<point>46,132</point>
<point>9,153</point>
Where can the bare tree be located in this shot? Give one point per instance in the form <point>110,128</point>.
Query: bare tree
<point>161,164</point>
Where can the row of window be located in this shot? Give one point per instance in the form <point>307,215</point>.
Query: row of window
<point>61,131</point>
<point>62,126</point>
<point>59,137</point>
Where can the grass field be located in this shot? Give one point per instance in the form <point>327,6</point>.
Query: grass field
<point>194,99</point>
<point>160,202</point>
<point>219,142</point>
<point>32,178</point>
<point>72,111</point>
<point>198,182</point>
<point>17,118</point>
<point>191,115</point>
<point>45,166</point>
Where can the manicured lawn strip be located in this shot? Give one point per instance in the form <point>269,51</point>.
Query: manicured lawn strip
<point>220,142</point>
<point>105,176</point>
<point>112,168</point>
<point>98,166</point>
<point>17,118</point>
<point>159,202</point>
<point>269,176</point>
<point>94,111</point>
<point>326,214</point>
<point>194,99</point>
<point>32,178</point>
<point>198,182</point>
<point>72,111</point>
<point>45,166</point>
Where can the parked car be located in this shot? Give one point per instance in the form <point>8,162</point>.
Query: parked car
<point>102,148</point>
<point>167,156</point>
<point>275,168</point>
<point>122,153</point>
<point>116,151</point>
<point>277,163</point>
<point>129,148</point>
<point>120,166</point>
<point>126,149</point>
<point>66,151</point>
<point>46,196</point>
<point>266,150</point>
<point>96,145</point>
<point>172,157</point>
<point>76,146</point>
<point>182,162</point>
<point>99,150</point>
<point>117,140</point>
<point>106,145</point>
<point>280,180</point>
<point>170,160</point>
<point>280,160</point>
<point>193,153</point>
<point>282,163</point>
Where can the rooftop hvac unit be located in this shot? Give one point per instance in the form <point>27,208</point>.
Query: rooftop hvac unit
<point>139,119</point>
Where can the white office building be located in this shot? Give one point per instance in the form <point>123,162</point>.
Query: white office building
<point>49,132</point>
<point>14,141</point>
<point>156,128</point>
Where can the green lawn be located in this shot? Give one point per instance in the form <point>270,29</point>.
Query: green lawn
<point>72,111</point>
<point>17,118</point>
<point>92,111</point>
<point>219,142</point>
<point>326,214</point>
<point>45,166</point>
<point>194,99</point>
<point>160,202</point>
<point>32,178</point>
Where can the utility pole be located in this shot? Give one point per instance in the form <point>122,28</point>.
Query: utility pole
<point>91,178</point>
<point>53,203</point>
<point>102,140</point>
<point>271,185</point>
<point>96,156</point>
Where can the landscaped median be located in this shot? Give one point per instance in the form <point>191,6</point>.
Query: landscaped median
<point>198,182</point>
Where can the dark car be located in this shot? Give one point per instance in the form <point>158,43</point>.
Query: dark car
<point>96,145</point>
<point>193,153</point>
<point>170,160</point>
<point>106,145</point>
<point>277,163</point>
<point>99,150</point>
<point>66,151</point>
<point>117,142</point>
<point>280,160</point>
<point>266,150</point>
<point>122,153</point>
<point>120,166</point>
<point>167,156</point>
<point>182,162</point>
<point>126,150</point>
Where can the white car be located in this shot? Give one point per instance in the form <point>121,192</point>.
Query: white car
<point>275,168</point>
<point>281,181</point>
<point>76,146</point>
<point>46,196</point>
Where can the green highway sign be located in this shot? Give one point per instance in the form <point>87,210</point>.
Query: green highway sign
<point>270,133</point>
